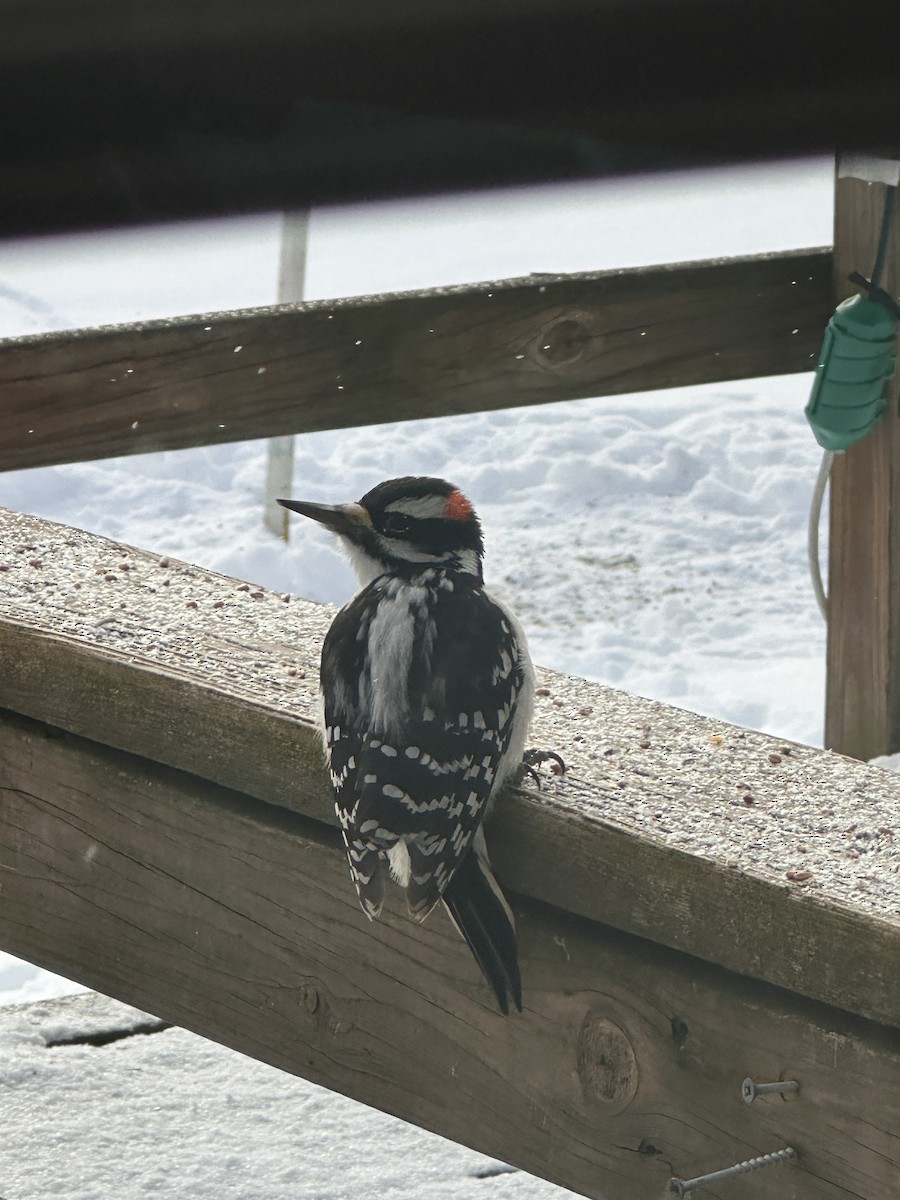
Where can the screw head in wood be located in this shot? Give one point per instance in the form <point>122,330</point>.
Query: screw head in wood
<point>677,1189</point>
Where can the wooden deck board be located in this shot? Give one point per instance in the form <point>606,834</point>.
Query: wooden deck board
<point>234,919</point>
<point>649,832</point>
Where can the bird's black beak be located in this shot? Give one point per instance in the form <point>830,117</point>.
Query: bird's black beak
<point>339,518</point>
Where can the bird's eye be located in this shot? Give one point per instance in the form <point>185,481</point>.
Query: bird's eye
<point>395,524</point>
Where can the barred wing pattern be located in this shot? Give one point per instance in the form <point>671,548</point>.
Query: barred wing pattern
<point>422,776</point>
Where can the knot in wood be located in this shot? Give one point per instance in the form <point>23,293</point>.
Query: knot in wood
<point>562,342</point>
<point>607,1065</point>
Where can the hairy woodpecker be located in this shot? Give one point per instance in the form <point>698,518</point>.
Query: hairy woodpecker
<point>427,688</point>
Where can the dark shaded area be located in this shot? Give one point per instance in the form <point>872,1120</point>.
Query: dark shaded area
<point>135,112</point>
<point>106,1037</point>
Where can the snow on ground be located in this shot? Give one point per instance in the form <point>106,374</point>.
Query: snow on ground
<point>655,542</point>
<point>132,1119</point>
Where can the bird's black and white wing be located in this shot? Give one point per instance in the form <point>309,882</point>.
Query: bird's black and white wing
<point>412,787</point>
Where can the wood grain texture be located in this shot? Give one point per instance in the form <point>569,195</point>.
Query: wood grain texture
<point>650,831</point>
<point>862,716</point>
<point>271,372</point>
<point>234,919</point>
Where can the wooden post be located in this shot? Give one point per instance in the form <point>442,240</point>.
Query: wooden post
<point>280,461</point>
<point>862,712</point>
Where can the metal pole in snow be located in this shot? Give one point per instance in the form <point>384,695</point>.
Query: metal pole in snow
<point>280,461</point>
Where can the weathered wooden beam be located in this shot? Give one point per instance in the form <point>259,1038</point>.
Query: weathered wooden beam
<point>271,372</point>
<point>234,919</point>
<point>679,829</point>
<point>862,710</point>
<point>174,110</point>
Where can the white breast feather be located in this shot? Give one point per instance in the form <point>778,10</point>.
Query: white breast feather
<point>384,686</point>
<point>524,703</point>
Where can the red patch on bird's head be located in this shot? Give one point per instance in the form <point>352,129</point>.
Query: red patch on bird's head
<point>458,507</point>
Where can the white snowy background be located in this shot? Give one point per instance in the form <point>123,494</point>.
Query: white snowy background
<point>655,542</point>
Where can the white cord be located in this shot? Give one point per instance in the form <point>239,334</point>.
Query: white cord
<point>812,533</point>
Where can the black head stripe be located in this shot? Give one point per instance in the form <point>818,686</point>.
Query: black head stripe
<point>412,486</point>
<point>409,512</point>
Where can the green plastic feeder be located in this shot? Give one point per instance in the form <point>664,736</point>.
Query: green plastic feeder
<point>858,356</point>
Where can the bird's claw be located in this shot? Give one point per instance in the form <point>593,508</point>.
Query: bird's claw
<point>532,759</point>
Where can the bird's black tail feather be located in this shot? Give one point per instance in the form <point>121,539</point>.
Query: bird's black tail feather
<point>479,911</point>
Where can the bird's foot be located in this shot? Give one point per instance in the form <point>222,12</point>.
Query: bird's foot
<point>532,759</point>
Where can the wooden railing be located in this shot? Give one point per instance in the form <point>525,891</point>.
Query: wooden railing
<point>166,836</point>
<point>165,826</point>
<point>192,381</point>
<point>267,372</point>
<point>166,832</point>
